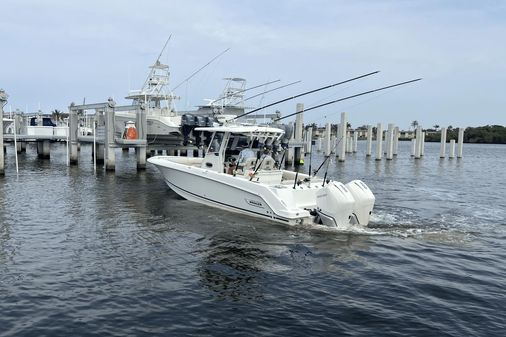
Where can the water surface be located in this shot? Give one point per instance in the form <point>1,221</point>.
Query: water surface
<point>115,254</point>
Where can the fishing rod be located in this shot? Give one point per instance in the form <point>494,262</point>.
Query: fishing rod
<point>345,98</point>
<point>305,93</point>
<point>243,90</point>
<point>265,92</point>
<point>327,157</point>
<point>196,72</point>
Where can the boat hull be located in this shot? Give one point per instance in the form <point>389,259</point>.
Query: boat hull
<point>159,127</point>
<point>227,192</point>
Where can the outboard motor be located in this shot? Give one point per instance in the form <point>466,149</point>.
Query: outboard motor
<point>187,125</point>
<point>364,201</point>
<point>335,205</point>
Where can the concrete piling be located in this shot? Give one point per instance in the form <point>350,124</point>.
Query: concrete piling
<point>109,145</point>
<point>390,141</point>
<point>418,147</point>
<point>326,146</point>
<point>442,148</point>
<point>422,145</point>
<point>369,141</point>
<point>355,141</point>
<point>142,126</point>
<point>396,141</point>
<point>452,149</point>
<point>43,149</point>
<point>379,140</point>
<point>342,140</point>
<point>413,147</point>
<point>73,129</point>
<point>309,140</point>
<point>460,142</point>
<point>3,102</point>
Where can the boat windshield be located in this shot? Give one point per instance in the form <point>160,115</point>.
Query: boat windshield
<point>215,144</point>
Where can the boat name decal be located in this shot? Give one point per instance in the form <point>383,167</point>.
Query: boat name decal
<point>254,203</point>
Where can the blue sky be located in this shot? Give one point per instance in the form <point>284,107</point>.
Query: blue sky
<point>55,52</point>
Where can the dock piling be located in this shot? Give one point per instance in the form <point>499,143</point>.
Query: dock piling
<point>418,139</point>
<point>342,140</point>
<point>379,140</point>
<point>452,149</point>
<point>369,141</point>
<point>460,142</point>
<point>390,141</point>
<point>442,149</point>
<point>396,141</point>
<point>3,102</point>
<point>109,145</point>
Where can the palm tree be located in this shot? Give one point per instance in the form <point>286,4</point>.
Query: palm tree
<point>56,114</point>
<point>414,124</point>
<point>435,126</point>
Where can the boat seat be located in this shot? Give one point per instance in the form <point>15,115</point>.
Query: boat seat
<point>268,163</point>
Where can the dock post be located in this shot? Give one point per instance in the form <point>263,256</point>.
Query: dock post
<point>355,141</point>
<point>379,140</point>
<point>3,102</point>
<point>396,141</point>
<point>142,126</point>
<point>299,128</point>
<point>319,144</point>
<point>109,145</point>
<point>349,142</point>
<point>422,145</point>
<point>452,149</point>
<point>413,147</point>
<point>442,149</point>
<point>333,143</point>
<point>43,149</point>
<point>326,146</point>
<point>460,142</point>
<point>369,141</point>
<point>390,141</point>
<point>73,120</point>
<point>309,140</point>
<point>418,146</point>
<point>342,140</point>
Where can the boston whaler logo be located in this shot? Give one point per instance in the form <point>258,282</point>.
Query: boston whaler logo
<point>254,203</point>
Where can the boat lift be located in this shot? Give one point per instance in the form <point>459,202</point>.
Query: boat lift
<point>104,136</point>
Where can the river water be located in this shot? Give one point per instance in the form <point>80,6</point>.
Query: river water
<point>119,254</point>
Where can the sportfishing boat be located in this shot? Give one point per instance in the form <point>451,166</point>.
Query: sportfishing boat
<point>163,122</point>
<point>241,172</point>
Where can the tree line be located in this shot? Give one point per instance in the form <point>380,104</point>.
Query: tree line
<point>488,134</point>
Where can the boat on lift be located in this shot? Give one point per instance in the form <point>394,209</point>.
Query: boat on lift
<point>241,172</point>
<point>163,122</point>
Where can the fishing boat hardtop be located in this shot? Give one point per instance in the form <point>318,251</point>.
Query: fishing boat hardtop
<point>240,172</point>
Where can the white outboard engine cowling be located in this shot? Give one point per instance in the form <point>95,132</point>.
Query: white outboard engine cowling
<point>335,205</point>
<point>364,201</point>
